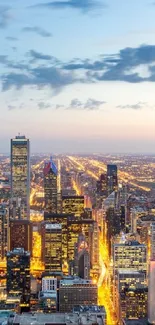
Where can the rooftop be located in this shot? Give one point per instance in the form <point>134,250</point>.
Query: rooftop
<point>60,319</point>
<point>69,280</point>
<point>142,321</point>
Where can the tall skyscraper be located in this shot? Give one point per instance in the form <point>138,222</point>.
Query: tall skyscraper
<point>130,256</point>
<point>18,276</point>
<point>101,185</point>
<point>82,258</point>
<point>20,172</point>
<point>20,235</point>
<point>131,295</point>
<point>112,180</point>
<point>151,293</point>
<point>3,230</point>
<point>151,286</point>
<point>52,246</point>
<point>50,187</point>
<point>62,220</point>
<point>73,205</point>
<point>152,241</point>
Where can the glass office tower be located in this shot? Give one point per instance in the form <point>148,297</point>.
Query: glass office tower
<point>20,173</point>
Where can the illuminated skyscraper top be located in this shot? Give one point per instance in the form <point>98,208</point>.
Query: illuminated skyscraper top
<point>50,186</point>
<point>20,172</point>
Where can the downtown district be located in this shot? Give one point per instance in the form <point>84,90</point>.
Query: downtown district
<point>77,238</point>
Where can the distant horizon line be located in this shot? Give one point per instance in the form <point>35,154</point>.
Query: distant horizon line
<point>86,153</point>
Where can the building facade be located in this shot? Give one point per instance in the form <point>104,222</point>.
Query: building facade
<point>112,180</point>
<point>76,291</point>
<point>50,187</point>
<point>73,205</point>
<point>3,230</point>
<point>20,172</point>
<point>52,246</point>
<point>18,276</point>
<point>20,235</point>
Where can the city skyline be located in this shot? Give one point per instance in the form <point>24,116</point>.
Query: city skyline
<point>78,76</point>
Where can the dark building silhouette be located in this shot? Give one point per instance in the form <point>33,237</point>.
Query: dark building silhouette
<point>112,180</point>
<point>82,258</point>
<point>101,185</point>
<point>20,235</point>
<point>18,276</point>
<point>3,230</point>
<point>50,187</point>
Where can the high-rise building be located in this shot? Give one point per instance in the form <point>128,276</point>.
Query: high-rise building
<point>3,230</point>
<point>133,303</point>
<point>131,294</point>
<point>130,256</point>
<point>113,224</point>
<point>101,185</point>
<point>16,208</point>
<point>20,235</point>
<point>50,187</point>
<point>77,226</point>
<point>112,180</point>
<point>151,293</point>
<point>151,282</point>
<point>82,258</point>
<point>62,220</point>
<point>52,246</point>
<point>76,291</point>
<point>49,283</point>
<point>20,172</point>
<point>152,241</point>
<point>18,276</point>
<point>73,205</point>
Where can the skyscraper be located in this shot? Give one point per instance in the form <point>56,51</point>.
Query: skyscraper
<point>151,293</point>
<point>101,185</point>
<point>76,291</point>
<point>73,205</point>
<point>52,246</point>
<point>18,276</point>
<point>82,258</point>
<point>20,235</point>
<point>3,230</point>
<point>152,241</point>
<point>62,220</point>
<point>131,294</point>
<point>130,256</point>
<point>151,286</point>
<point>112,181</point>
<point>50,187</point>
<point>20,172</point>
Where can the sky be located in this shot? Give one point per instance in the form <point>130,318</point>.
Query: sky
<point>78,76</point>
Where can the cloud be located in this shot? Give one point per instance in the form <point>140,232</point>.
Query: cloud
<point>39,77</point>
<point>90,105</point>
<point>4,16</point>
<point>132,65</point>
<point>123,66</point>
<point>40,56</point>
<point>93,104</point>
<point>83,5</point>
<point>136,106</point>
<point>11,107</point>
<point>3,59</point>
<point>43,105</point>
<point>10,38</point>
<point>38,30</point>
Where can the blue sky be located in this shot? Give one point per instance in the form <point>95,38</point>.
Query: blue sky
<point>78,75</point>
